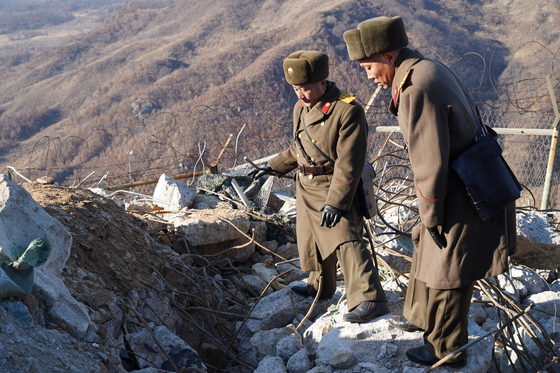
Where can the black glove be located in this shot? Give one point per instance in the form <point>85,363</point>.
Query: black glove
<point>257,174</point>
<point>331,216</point>
<point>439,239</point>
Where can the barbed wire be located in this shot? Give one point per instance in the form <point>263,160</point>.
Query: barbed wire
<point>167,140</point>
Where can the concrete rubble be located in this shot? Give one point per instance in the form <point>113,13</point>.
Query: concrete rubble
<point>213,228</point>
<point>144,345</point>
<point>172,194</point>
<point>18,210</point>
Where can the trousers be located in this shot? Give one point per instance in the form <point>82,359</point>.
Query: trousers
<point>443,314</point>
<point>361,280</point>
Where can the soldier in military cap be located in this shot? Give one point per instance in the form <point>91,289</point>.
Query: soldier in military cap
<point>453,247</point>
<point>329,150</point>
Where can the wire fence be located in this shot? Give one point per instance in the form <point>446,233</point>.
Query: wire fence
<point>528,156</point>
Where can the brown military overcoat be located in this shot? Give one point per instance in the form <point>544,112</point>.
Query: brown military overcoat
<point>437,122</point>
<point>338,127</point>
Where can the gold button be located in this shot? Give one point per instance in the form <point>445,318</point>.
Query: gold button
<point>313,141</point>
<point>310,177</point>
<point>312,159</point>
<point>299,135</point>
<point>298,155</point>
<point>322,123</point>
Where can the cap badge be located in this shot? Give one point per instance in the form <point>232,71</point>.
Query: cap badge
<point>290,71</point>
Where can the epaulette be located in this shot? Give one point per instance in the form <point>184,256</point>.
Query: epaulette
<point>398,89</point>
<point>346,98</point>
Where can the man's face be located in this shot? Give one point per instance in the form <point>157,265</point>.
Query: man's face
<point>310,93</point>
<point>380,68</point>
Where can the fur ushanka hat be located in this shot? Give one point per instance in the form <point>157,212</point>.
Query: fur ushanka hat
<point>375,36</point>
<point>306,67</point>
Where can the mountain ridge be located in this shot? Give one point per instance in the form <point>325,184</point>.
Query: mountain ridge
<point>206,69</point>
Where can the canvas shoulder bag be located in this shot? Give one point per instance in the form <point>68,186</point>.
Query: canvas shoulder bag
<point>486,176</point>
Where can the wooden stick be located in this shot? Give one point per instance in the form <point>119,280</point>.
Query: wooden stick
<point>153,181</point>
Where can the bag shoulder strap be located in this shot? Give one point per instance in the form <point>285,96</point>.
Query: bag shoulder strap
<point>481,129</point>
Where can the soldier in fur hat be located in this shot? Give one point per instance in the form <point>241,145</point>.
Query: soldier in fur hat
<point>453,247</point>
<point>329,150</point>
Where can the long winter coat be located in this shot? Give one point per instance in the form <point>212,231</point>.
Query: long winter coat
<point>437,122</point>
<point>339,128</point>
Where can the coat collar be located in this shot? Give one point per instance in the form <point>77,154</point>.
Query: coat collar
<point>323,107</point>
<point>405,61</point>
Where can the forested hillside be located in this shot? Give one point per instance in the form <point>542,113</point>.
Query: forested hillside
<point>159,80</point>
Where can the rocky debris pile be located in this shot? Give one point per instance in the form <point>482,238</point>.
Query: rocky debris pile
<point>176,280</point>
<point>129,293</point>
<point>329,344</point>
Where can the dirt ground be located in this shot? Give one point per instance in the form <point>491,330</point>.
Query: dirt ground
<point>106,241</point>
<point>537,255</point>
<point>112,258</point>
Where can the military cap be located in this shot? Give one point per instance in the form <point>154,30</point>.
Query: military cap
<point>375,36</point>
<point>306,67</point>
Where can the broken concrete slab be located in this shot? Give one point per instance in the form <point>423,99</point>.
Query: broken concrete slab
<point>276,310</point>
<point>270,245</point>
<point>183,355</point>
<point>22,220</point>
<point>142,206</point>
<point>531,280</point>
<point>61,306</point>
<point>259,228</point>
<point>213,233</point>
<point>201,228</point>
<point>535,226</point>
<point>172,194</point>
<point>299,362</point>
<point>547,301</point>
<point>266,341</point>
<point>288,251</point>
<point>271,364</point>
<point>256,284</point>
<point>281,195</point>
<point>288,346</point>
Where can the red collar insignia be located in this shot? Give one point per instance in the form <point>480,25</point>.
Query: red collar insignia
<point>326,107</point>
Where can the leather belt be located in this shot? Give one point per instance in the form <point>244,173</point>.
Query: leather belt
<point>315,170</point>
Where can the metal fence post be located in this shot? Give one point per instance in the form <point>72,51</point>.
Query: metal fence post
<point>553,147</point>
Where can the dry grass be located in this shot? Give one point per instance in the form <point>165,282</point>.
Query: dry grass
<point>208,68</point>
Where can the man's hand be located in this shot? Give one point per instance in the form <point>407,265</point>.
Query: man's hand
<point>439,239</point>
<point>257,174</point>
<point>331,215</point>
